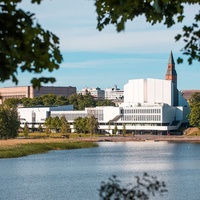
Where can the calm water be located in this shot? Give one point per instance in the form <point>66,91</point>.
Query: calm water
<point>77,174</point>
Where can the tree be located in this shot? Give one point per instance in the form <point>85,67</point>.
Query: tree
<point>86,101</point>
<point>194,99</point>
<point>55,123</point>
<point>47,124</point>
<point>9,122</point>
<point>80,102</point>
<point>124,129</point>
<point>26,130</point>
<point>85,124</point>
<point>105,102</point>
<point>65,126</point>
<point>92,124</point>
<point>48,99</point>
<point>25,45</point>
<point>61,101</point>
<point>73,99</point>
<point>194,116</point>
<point>40,129</point>
<point>168,12</point>
<point>144,188</point>
<point>12,102</point>
<point>78,124</point>
<point>115,129</point>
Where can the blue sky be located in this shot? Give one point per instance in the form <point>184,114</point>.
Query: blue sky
<point>107,58</point>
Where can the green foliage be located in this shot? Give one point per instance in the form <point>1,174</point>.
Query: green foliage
<point>35,148</point>
<point>124,129</point>
<point>65,126</point>
<point>61,101</point>
<point>25,45</point>
<point>104,102</point>
<point>26,130</point>
<point>86,124</point>
<point>194,116</point>
<point>48,99</point>
<point>48,125</point>
<point>9,122</point>
<point>115,129</point>
<point>194,99</point>
<point>79,101</point>
<point>12,102</point>
<point>144,188</point>
<point>40,129</point>
<point>53,123</point>
<point>93,124</point>
<point>79,125</point>
<point>168,12</point>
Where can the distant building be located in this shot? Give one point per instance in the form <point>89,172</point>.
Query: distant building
<point>28,91</point>
<point>97,93</point>
<point>114,93</point>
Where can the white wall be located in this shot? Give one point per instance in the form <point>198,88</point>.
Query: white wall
<point>40,113</point>
<point>134,91</point>
<point>148,91</point>
<point>159,91</point>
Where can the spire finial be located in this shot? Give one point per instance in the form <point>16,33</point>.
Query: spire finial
<point>171,59</point>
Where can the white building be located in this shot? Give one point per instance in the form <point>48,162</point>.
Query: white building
<point>150,105</point>
<point>114,93</point>
<point>97,93</point>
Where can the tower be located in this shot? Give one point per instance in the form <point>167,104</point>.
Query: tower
<point>171,71</point>
<point>172,76</point>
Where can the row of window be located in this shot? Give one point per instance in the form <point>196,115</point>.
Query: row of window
<point>97,113</point>
<point>141,118</point>
<point>138,111</point>
<point>71,116</point>
<point>13,96</point>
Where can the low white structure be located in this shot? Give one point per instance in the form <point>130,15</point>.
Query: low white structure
<point>34,116</point>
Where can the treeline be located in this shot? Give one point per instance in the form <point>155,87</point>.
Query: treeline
<point>79,101</point>
<point>81,125</point>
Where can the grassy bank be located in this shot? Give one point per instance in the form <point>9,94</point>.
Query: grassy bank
<point>57,135</point>
<point>36,148</point>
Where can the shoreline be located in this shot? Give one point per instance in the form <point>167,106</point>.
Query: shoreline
<point>143,138</point>
<point>135,138</point>
<point>13,148</point>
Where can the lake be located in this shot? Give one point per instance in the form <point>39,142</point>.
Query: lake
<point>77,174</point>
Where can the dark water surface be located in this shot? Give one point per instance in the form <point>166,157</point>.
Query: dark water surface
<point>77,174</point>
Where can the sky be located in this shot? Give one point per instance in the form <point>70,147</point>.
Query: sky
<point>103,59</point>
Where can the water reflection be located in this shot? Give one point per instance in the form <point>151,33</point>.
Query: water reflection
<point>76,174</point>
